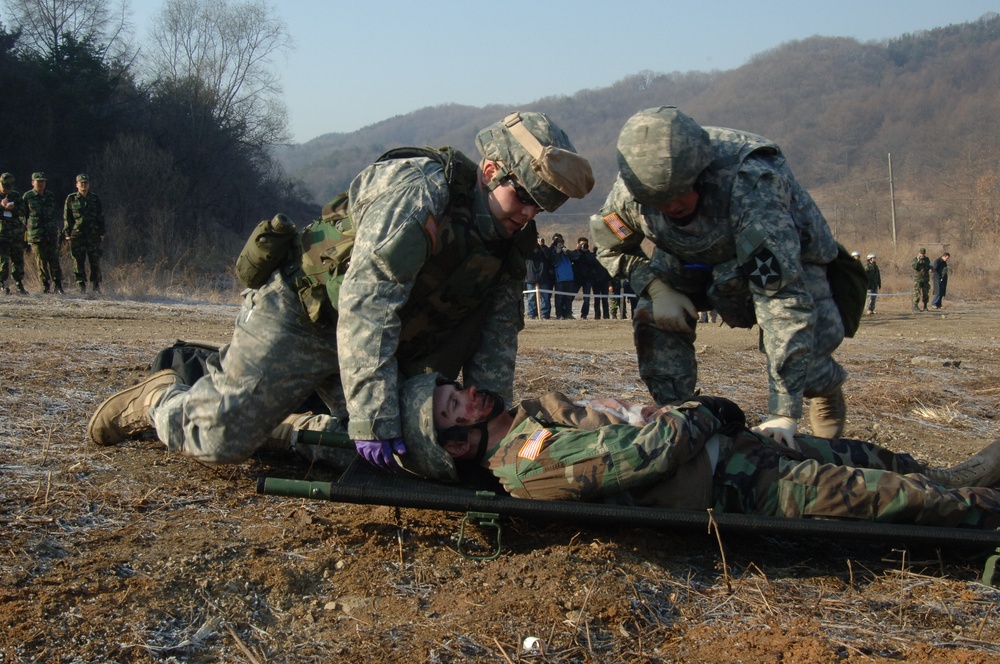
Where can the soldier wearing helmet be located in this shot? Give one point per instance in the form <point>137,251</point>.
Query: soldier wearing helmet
<point>695,455</point>
<point>734,232</point>
<point>874,281</point>
<point>434,283</point>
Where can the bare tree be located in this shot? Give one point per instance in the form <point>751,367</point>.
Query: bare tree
<point>45,25</point>
<point>228,48</point>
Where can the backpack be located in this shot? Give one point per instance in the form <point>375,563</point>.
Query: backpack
<point>849,286</point>
<point>325,245</point>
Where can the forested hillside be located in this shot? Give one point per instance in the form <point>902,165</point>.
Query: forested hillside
<point>838,108</point>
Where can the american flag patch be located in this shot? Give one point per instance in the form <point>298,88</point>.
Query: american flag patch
<point>617,226</point>
<point>533,445</point>
<point>431,227</point>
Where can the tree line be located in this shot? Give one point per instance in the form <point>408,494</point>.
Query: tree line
<point>176,136</point>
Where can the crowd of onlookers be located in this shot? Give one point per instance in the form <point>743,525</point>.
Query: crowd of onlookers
<point>556,275</point>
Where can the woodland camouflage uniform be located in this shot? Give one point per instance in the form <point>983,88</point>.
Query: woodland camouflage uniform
<point>755,250</point>
<point>44,234</point>
<point>921,279</point>
<point>557,450</point>
<point>11,236</point>
<point>84,226</point>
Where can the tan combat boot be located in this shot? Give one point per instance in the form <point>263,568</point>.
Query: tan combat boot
<point>827,414</point>
<point>282,437</point>
<point>124,415</point>
<point>981,470</point>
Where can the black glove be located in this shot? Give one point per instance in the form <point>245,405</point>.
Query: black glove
<point>727,412</point>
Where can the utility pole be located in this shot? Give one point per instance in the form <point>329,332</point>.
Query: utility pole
<point>892,204</point>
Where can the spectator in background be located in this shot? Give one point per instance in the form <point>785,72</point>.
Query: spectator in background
<point>11,235</point>
<point>630,298</point>
<point>856,255</point>
<point>939,275</point>
<point>602,289</point>
<point>584,268</point>
<point>565,286</point>
<point>874,281</point>
<point>44,234</point>
<point>538,279</point>
<point>84,229</point>
<point>921,279</point>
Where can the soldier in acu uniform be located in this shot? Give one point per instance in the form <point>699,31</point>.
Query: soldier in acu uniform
<point>696,455</point>
<point>43,232</point>
<point>734,232</point>
<point>84,229</point>
<point>11,235</point>
<point>434,284</point>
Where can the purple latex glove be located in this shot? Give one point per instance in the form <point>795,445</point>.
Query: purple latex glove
<point>379,452</point>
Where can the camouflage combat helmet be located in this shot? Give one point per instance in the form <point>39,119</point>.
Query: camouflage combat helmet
<point>538,153</point>
<point>424,455</point>
<point>661,152</point>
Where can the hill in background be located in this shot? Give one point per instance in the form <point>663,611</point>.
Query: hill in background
<point>838,108</point>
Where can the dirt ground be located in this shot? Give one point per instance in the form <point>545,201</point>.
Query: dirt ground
<point>130,554</point>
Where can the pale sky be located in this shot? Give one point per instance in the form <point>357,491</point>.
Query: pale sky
<point>359,62</point>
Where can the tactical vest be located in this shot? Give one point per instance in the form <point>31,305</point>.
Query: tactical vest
<point>455,280</point>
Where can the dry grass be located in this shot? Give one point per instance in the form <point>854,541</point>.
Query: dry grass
<point>130,554</point>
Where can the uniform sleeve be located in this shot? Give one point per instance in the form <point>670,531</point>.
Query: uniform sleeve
<point>68,218</point>
<point>395,206</point>
<point>618,232</point>
<point>769,248</point>
<point>492,363</point>
<point>552,463</point>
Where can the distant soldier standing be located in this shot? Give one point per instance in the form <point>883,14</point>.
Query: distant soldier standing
<point>921,279</point>
<point>85,231</point>
<point>874,281</point>
<point>43,232</point>
<point>11,235</point>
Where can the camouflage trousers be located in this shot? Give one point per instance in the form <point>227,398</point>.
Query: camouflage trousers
<point>667,363</point>
<point>11,257</point>
<point>84,248</point>
<point>272,364</point>
<point>921,293</point>
<point>47,260</point>
<point>843,479</point>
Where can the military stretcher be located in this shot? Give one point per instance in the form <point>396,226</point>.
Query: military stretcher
<point>484,504</point>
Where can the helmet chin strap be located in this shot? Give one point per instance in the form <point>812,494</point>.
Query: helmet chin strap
<point>502,174</point>
<point>461,433</point>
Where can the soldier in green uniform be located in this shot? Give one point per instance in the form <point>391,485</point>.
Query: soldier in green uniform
<point>11,235</point>
<point>734,232</point>
<point>84,228</point>
<point>921,280</point>
<point>43,232</point>
<point>434,284</point>
<point>695,455</point>
<point>874,275</point>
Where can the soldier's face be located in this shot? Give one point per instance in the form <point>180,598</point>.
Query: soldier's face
<point>680,207</point>
<point>38,185</point>
<point>506,204</point>
<point>83,187</point>
<point>461,407</point>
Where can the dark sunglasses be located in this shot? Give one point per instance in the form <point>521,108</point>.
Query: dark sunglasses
<point>522,195</point>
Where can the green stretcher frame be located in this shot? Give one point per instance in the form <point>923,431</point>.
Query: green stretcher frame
<point>484,503</point>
